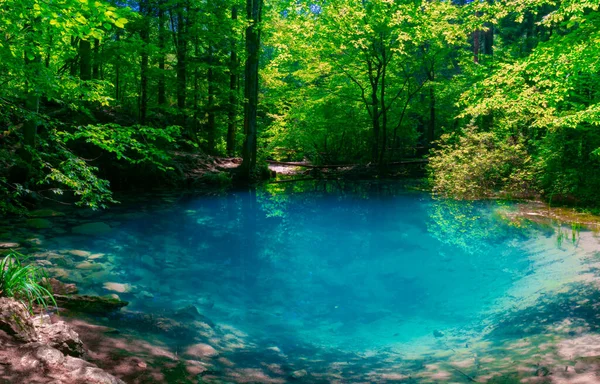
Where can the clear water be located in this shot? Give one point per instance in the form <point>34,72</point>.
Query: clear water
<point>357,267</point>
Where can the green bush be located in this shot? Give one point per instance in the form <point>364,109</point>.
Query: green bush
<point>478,165</point>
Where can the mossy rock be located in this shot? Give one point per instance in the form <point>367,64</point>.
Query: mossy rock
<point>90,304</point>
<point>39,223</point>
<point>45,213</point>
<point>92,229</point>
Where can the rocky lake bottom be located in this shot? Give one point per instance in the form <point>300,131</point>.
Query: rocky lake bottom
<point>322,283</point>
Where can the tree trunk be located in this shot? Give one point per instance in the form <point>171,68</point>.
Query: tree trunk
<point>233,79</point>
<point>254,10</point>
<point>33,61</point>
<point>73,63</point>
<point>162,98</point>
<point>96,67</point>
<point>211,103</point>
<point>85,60</point>
<point>432,107</point>
<point>145,36</point>
<point>181,59</point>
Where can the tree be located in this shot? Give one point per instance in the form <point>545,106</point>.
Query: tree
<point>251,88</point>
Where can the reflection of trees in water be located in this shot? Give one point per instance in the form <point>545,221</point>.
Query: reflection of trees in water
<point>472,226</point>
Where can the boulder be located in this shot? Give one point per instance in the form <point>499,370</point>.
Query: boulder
<point>91,229</point>
<point>60,336</point>
<point>39,359</point>
<point>41,355</point>
<point>89,304</point>
<point>16,321</point>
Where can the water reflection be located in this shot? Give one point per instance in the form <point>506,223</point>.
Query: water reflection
<point>329,266</point>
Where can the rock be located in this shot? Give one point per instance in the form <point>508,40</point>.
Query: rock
<point>148,261</point>
<point>201,350</point>
<point>542,371</point>
<point>587,363</point>
<point>90,304</point>
<point>117,287</point>
<point>60,336</point>
<point>98,228</point>
<point>38,223</point>
<point>145,295</point>
<point>87,265</point>
<point>16,321</point>
<point>45,213</point>
<point>9,245</point>
<point>34,241</point>
<point>299,374</point>
<point>152,323</point>
<point>59,288</point>
<point>79,253</point>
<point>43,263</point>
<point>206,302</point>
<point>41,354</point>
<point>191,313</point>
<point>40,360</point>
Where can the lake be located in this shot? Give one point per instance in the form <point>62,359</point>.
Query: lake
<point>328,281</point>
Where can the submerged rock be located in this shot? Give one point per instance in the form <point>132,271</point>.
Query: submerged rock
<point>38,223</point>
<point>90,304</point>
<point>87,265</point>
<point>16,321</point>
<point>9,245</point>
<point>299,374</point>
<point>117,287</point>
<point>59,288</point>
<point>79,253</point>
<point>45,213</point>
<point>201,350</point>
<point>148,322</point>
<point>98,228</point>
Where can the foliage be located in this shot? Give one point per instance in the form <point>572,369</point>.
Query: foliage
<point>478,164</point>
<point>23,282</point>
<point>90,88</point>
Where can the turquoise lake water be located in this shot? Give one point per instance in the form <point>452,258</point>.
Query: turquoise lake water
<point>359,268</point>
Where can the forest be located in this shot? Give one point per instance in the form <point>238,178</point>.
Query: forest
<point>499,96</point>
<point>299,191</point>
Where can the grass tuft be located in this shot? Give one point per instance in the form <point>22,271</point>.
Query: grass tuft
<point>23,282</point>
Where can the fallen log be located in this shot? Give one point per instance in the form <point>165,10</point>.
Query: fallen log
<point>306,165</point>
